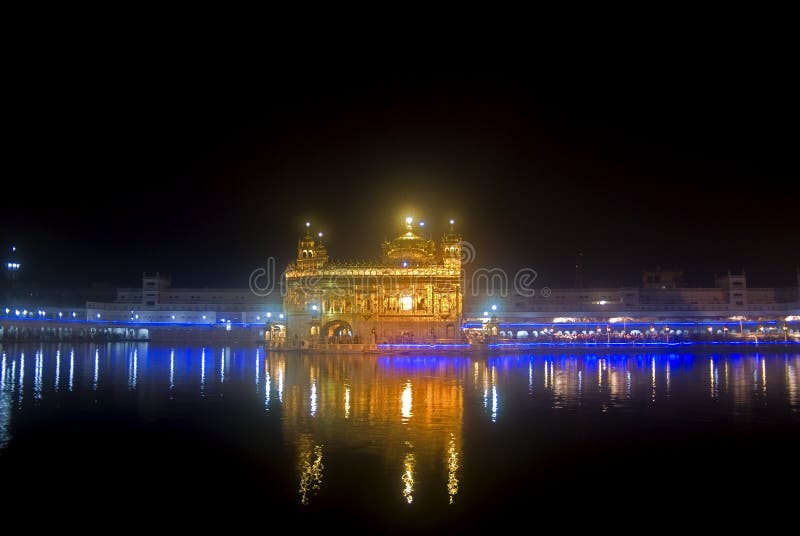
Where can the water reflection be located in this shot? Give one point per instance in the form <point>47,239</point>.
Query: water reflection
<point>452,468</point>
<point>790,378</point>
<point>96,369</point>
<point>411,414</point>
<point>71,367</point>
<point>58,369</point>
<point>405,402</point>
<point>409,463</point>
<point>310,465</point>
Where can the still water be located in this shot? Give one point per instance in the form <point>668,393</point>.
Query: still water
<point>390,442</point>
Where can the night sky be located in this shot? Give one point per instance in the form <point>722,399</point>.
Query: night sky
<point>203,170</point>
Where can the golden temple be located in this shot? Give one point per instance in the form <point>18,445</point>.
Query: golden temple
<point>412,295</point>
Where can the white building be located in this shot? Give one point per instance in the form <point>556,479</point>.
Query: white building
<point>158,302</point>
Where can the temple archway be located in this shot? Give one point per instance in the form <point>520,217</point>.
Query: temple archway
<point>337,331</point>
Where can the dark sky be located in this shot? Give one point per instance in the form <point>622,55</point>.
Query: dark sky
<point>117,165</point>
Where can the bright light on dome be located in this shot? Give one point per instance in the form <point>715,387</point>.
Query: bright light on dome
<point>320,235</point>
<point>308,224</point>
<point>452,222</point>
<point>422,224</point>
<point>409,220</point>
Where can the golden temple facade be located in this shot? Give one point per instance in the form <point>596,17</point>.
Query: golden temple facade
<point>412,295</point>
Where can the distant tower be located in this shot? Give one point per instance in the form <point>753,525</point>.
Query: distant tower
<point>579,270</point>
<point>311,252</point>
<point>13,266</point>
<point>451,247</point>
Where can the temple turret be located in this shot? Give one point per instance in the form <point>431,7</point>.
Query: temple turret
<point>311,252</point>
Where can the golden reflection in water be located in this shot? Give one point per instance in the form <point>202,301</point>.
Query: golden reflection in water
<point>281,374</point>
<point>346,401</point>
<point>310,465</point>
<point>405,402</point>
<point>791,381</point>
<point>763,377</point>
<point>374,405</point>
<point>485,387</point>
<point>452,468</point>
<point>409,464</point>
<point>715,377</point>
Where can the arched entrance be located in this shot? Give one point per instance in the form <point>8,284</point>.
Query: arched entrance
<point>337,331</point>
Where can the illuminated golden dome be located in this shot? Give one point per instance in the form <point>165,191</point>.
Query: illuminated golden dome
<point>409,248</point>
